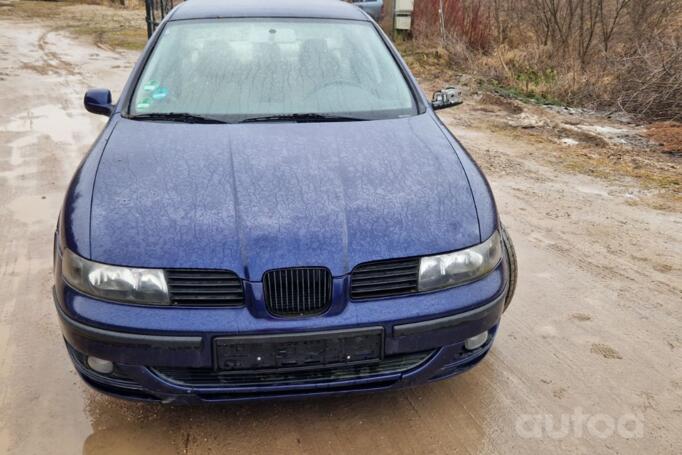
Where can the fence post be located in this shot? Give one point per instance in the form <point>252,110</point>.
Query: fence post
<point>148,18</point>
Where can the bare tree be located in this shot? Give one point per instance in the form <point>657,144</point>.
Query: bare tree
<point>608,19</point>
<point>588,16</point>
<point>648,17</point>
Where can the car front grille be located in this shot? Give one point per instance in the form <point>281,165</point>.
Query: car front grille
<point>209,377</point>
<point>205,288</point>
<point>298,291</point>
<point>378,279</point>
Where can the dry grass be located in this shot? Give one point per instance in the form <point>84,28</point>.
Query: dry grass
<point>668,135</point>
<point>427,62</point>
<point>106,25</point>
<point>603,54</point>
<point>640,74</point>
<point>651,168</point>
<point>654,176</point>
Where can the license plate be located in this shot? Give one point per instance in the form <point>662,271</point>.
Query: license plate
<point>313,350</point>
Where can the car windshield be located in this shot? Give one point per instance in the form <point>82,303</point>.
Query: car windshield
<point>237,70</point>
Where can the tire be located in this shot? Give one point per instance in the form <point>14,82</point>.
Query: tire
<point>510,255</point>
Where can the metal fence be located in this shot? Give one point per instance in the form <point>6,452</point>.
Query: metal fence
<point>156,10</point>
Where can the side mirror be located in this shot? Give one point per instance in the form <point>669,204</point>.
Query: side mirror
<point>448,97</point>
<point>98,101</point>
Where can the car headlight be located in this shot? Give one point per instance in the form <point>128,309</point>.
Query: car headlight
<point>453,269</point>
<point>123,284</point>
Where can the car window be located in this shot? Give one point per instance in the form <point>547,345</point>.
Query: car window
<point>236,69</point>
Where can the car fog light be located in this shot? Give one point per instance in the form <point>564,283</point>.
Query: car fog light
<point>476,342</point>
<point>100,365</point>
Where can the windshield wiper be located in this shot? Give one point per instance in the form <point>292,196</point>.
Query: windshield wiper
<point>177,117</point>
<point>301,118</point>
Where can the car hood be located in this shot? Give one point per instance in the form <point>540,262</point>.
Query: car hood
<point>254,197</point>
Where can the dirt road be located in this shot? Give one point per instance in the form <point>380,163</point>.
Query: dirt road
<point>594,330</point>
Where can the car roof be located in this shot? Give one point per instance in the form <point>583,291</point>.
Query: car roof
<point>319,9</point>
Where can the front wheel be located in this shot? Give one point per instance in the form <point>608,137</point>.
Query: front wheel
<point>510,255</point>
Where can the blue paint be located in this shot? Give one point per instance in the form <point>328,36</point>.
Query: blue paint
<point>254,197</point>
<point>261,196</point>
<point>323,9</point>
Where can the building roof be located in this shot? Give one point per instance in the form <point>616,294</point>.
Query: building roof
<point>323,9</point>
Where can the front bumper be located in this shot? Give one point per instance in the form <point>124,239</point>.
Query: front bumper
<point>141,358</point>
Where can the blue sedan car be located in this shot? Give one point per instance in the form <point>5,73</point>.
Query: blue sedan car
<point>274,210</point>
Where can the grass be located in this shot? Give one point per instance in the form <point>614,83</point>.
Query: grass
<point>427,64</point>
<point>611,164</point>
<point>436,65</point>
<point>605,167</point>
<point>525,95</point>
<point>121,38</point>
<point>107,26</point>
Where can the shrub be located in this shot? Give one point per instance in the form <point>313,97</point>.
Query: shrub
<point>623,54</point>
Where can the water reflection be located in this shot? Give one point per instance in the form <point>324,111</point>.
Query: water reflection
<point>420,420</point>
